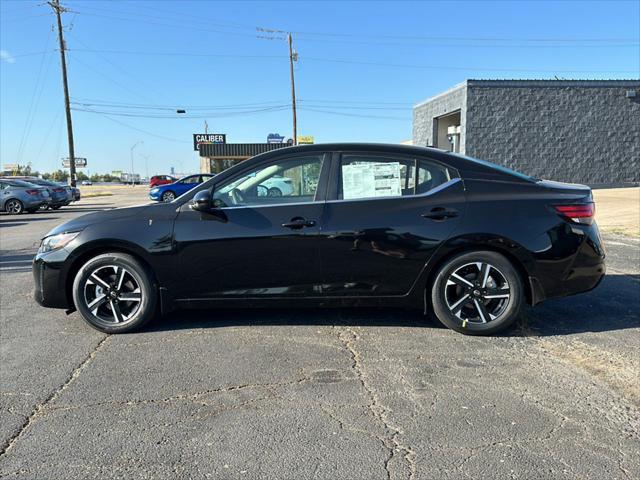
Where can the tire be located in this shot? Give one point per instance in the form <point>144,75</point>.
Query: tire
<point>56,207</point>
<point>14,206</point>
<point>168,196</point>
<point>473,301</point>
<point>274,192</point>
<point>137,286</point>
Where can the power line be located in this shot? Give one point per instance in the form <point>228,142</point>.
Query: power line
<point>119,122</point>
<point>345,114</point>
<point>178,54</point>
<point>173,108</point>
<point>189,24</point>
<point>441,67</point>
<point>187,116</point>
<point>35,99</point>
<point>379,64</point>
<point>107,77</point>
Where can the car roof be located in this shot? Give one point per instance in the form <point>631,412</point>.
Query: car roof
<point>470,166</point>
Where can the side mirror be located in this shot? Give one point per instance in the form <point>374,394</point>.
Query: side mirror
<point>201,202</point>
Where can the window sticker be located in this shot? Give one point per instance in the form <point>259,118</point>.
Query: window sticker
<point>368,179</point>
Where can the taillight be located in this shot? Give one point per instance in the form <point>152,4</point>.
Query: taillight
<point>33,192</point>
<point>578,213</point>
<point>58,190</point>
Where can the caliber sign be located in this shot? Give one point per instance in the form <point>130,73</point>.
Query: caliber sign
<point>200,138</point>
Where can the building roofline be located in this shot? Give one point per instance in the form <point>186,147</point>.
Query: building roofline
<point>446,92</point>
<point>632,83</point>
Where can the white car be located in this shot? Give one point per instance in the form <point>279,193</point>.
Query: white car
<point>278,186</point>
<point>87,182</point>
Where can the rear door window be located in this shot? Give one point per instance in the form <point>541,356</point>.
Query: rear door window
<point>374,176</point>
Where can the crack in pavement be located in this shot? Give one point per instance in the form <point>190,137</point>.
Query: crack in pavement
<point>192,397</point>
<point>39,409</point>
<point>379,411</point>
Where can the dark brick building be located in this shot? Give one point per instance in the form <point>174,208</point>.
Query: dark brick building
<point>585,131</point>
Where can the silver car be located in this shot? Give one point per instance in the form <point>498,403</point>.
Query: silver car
<point>17,196</point>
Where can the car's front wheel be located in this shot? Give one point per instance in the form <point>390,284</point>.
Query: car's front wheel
<point>477,293</point>
<point>168,196</point>
<point>115,293</point>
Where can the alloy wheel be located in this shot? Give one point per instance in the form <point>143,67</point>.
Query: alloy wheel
<point>13,206</point>
<point>477,293</point>
<point>112,294</point>
<point>168,196</point>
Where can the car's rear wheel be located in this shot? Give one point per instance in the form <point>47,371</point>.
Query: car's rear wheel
<point>115,293</point>
<point>274,192</point>
<point>477,293</point>
<point>168,196</point>
<point>14,206</point>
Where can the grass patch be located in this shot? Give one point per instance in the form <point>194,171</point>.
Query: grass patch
<point>97,194</point>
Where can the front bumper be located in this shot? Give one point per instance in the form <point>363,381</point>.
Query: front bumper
<point>50,286</point>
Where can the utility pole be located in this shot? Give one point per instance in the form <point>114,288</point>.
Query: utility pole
<point>293,57</point>
<point>132,149</point>
<point>206,127</point>
<point>58,9</point>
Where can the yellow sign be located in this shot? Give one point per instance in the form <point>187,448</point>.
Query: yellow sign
<point>305,140</point>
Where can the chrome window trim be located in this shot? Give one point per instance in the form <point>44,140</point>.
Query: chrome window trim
<point>437,189</point>
<point>315,202</point>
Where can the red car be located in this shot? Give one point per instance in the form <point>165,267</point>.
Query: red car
<point>161,180</point>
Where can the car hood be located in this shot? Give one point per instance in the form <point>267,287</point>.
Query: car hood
<point>84,221</point>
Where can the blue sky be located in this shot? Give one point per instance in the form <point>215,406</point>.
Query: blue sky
<point>362,65</point>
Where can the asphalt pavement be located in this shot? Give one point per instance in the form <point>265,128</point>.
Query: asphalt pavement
<point>322,394</point>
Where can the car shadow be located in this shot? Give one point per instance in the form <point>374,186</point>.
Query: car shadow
<point>614,305</point>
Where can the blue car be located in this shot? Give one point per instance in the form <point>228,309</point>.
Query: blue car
<point>171,191</point>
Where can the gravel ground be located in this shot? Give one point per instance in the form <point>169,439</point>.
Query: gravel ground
<point>318,394</point>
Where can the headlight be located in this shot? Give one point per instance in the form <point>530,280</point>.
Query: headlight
<point>55,242</point>
<point>154,190</point>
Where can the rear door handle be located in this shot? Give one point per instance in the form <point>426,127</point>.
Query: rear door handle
<point>440,213</point>
<point>296,223</point>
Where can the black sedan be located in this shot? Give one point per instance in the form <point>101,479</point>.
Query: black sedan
<point>362,225</point>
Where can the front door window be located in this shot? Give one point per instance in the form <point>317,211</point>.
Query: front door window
<point>290,180</point>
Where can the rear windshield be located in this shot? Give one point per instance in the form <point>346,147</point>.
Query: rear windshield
<point>498,168</point>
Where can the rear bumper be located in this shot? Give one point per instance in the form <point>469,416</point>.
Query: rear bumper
<point>580,271</point>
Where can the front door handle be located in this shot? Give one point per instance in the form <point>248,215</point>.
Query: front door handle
<point>296,223</point>
<point>440,213</point>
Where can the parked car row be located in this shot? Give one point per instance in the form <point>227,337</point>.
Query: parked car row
<point>28,194</point>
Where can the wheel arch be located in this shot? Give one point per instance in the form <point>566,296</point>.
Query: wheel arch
<point>516,254</point>
<point>98,248</point>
